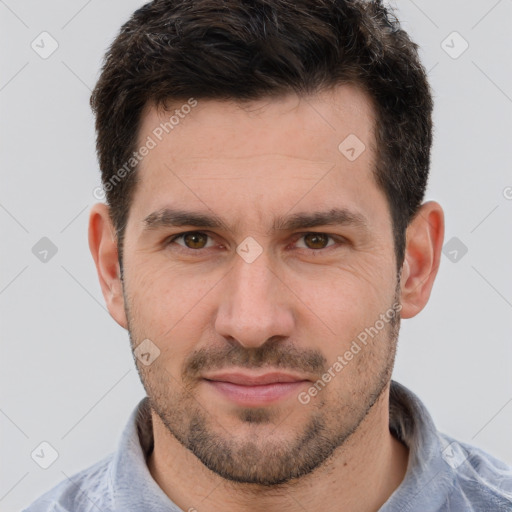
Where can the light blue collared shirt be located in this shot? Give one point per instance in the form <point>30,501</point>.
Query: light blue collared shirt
<point>442,475</point>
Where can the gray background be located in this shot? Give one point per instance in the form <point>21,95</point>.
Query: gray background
<point>67,375</point>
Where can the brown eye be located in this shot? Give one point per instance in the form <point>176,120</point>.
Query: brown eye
<point>195,240</point>
<point>316,240</point>
<point>190,240</point>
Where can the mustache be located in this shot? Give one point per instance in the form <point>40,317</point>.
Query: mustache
<point>270,354</point>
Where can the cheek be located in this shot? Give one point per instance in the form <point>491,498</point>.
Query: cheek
<point>168,307</point>
<point>346,296</point>
<point>342,308</point>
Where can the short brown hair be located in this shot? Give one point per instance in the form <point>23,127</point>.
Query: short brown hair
<point>250,49</point>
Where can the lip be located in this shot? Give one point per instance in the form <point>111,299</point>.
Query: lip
<point>246,379</point>
<point>255,390</point>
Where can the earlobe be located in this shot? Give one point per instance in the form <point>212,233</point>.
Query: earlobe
<point>103,246</point>
<point>425,235</point>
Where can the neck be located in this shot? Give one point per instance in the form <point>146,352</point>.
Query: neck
<point>360,476</point>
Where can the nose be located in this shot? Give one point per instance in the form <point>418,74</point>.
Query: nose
<point>256,305</point>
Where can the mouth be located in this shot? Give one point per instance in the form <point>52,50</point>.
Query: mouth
<point>255,390</point>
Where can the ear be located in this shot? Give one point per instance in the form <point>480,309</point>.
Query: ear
<point>103,246</point>
<point>425,235</point>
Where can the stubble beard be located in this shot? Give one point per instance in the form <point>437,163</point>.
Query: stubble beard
<point>259,458</point>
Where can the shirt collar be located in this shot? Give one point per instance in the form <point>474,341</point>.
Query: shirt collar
<point>429,477</point>
<point>132,485</point>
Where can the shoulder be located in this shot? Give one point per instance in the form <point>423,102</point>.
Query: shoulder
<point>83,492</point>
<point>481,480</point>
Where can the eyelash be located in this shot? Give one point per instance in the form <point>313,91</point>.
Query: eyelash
<point>337,239</point>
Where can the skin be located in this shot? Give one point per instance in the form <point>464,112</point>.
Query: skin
<point>297,307</point>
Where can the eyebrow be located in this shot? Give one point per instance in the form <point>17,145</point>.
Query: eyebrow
<point>335,216</point>
<point>168,217</point>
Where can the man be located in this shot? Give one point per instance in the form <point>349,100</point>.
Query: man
<point>264,164</point>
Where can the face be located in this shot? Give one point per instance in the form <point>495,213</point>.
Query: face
<point>255,246</point>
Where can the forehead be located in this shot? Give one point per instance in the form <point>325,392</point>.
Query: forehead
<point>308,127</point>
<point>263,155</point>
